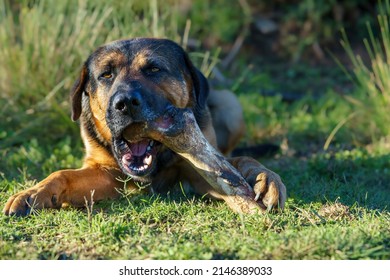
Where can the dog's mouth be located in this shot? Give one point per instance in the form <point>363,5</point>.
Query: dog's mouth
<point>140,145</point>
<point>139,158</point>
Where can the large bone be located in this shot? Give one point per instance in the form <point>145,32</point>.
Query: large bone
<point>186,139</point>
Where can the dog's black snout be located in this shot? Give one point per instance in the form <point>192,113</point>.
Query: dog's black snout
<point>127,103</point>
<point>135,101</point>
<point>119,103</point>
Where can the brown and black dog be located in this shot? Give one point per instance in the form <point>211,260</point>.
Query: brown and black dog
<point>137,81</point>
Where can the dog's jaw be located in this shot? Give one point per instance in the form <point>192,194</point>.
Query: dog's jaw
<point>137,159</point>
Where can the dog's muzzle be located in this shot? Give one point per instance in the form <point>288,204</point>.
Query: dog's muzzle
<point>132,115</point>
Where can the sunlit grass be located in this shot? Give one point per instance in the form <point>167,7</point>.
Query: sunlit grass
<point>371,100</point>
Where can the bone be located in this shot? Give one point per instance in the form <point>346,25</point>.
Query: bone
<point>187,140</point>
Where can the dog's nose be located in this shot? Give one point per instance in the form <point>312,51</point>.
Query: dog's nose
<point>127,103</point>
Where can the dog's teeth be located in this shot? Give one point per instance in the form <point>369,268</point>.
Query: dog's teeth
<point>149,148</point>
<point>148,160</point>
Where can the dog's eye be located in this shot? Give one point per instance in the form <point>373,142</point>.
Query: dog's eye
<point>106,75</point>
<point>152,70</point>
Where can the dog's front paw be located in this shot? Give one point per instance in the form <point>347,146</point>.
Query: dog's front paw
<point>269,188</point>
<point>24,202</point>
<point>267,185</point>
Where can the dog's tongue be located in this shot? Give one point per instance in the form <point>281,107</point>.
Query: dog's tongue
<point>139,148</point>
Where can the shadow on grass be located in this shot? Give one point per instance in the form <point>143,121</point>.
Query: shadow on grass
<point>349,177</point>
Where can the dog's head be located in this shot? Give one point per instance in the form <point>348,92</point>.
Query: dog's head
<point>131,83</point>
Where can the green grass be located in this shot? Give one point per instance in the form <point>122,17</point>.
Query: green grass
<point>372,99</point>
<point>338,199</point>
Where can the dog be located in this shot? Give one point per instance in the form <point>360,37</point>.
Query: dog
<point>133,81</point>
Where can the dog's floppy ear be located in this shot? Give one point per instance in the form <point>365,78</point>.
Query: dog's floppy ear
<point>77,93</point>
<point>200,84</point>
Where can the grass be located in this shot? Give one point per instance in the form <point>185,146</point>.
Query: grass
<point>338,199</point>
<point>372,99</point>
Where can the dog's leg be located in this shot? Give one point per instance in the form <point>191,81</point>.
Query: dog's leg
<point>266,184</point>
<point>65,186</point>
<point>228,120</point>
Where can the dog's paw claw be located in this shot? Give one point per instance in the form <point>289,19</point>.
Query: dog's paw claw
<point>269,189</point>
